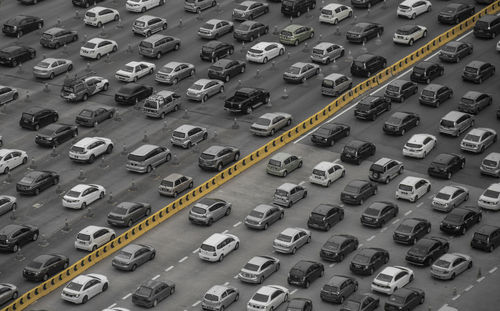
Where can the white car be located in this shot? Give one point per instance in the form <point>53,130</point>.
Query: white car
<point>84,287</point>
<point>203,89</point>
<point>99,15</point>
<point>116,309</point>
<point>291,239</point>
<point>133,71</point>
<point>498,46</point>
<point>391,279</point>
<point>7,94</point>
<point>262,52</point>
<point>267,298</point>
<point>408,34</point>
<point>82,195</point>
<point>325,173</point>
<point>413,8</point>
<point>412,188</point>
<point>92,237</point>
<point>333,13</point>
<point>97,47</point>
<point>490,198</point>
<point>449,197</point>
<point>11,158</point>
<point>142,5</point>
<point>218,246</point>
<point>419,145</point>
<point>89,148</point>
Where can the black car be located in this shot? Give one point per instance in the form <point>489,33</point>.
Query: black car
<point>427,250</point>
<point>454,51</point>
<point>454,13</point>
<point>36,118</point>
<point>445,165</point>
<point>329,133</point>
<point>29,1</point>
<point>299,304</point>
<point>225,69</point>
<point>94,116</point>
<point>368,260</point>
<point>13,236</point>
<point>367,64</point>
<point>246,99</point>
<point>426,71</point>
<point>410,230</point>
<point>357,191</point>
<point>214,50</point>
<point>132,93</point>
<point>399,90</point>
<point>148,294</point>
<point>406,298</point>
<point>14,55</point>
<point>473,102</point>
<point>36,181</point>
<point>356,151</point>
<point>370,107</point>
<point>338,288</point>
<point>85,3</point>
<point>55,134</point>
<point>488,26</point>
<point>361,302</point>
<point>45,266</point>
<point>324,216</point>
<point>22,24</point>
<point>379,213</point>
<point>460,219</point>
<point>297,7</point>
<point>304,272</point>
<point>56,37</point>
<point>400,122</point>
<point>435,95</point>
<point>486,238</point>
<point>364,3</point>
<point>362,32</point>
<point>338,246</point>
<point>249,30</point>
<point>477,71</point>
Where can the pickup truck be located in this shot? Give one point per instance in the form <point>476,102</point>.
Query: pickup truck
<point>246,99</point>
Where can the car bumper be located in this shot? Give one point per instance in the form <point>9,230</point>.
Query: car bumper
<point>413,154</point>
<point>72,205</point>
<point>482,34</point>
<point>360,271</point>
<point>328,256</point>
<point>404,13</point>
<point>25,191</point>
<point>490,172</point>
<point>282,249</point>
<point>32,277</point>
<point>492,207</point>
<point>427,103</point>
<point>117,222</point>
<point>241,36</point>
<point>191,8</point>
<point>446,20</point>
<point>416,262</point>
<point>6,247</point>
<point>394,97</point>
<point>356,39</point>
<point>474,79</point>
<point>197,96</point>
<point>78,158</point>
<point>88,55</point>
<point>352,201</point>
<point>136,9</point>
<point>166,192</point>
<point>255,59</point>
<point>200,221</point>
<point>142,303</point>
<point>83,247</point>
<point>452,132</point>
<point>349,159</point>
<point>72,299</point>
<point>440,275</point>
<point>138,169</point>
<point>470,149</point>
<point>373,224</point>
<point>322,182</point>
<point>442,208</point>
<point>418,79</point>
<point>121,266</point>
<point>292,79</point>
<point>260,132</point>
<point>255,225</point>
<point>287,41</point>
<point>317,59</point>
<point>380,289</point>
<point>481,246</point>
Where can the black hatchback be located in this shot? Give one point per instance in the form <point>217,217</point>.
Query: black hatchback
<point>225,69</point>
<point>36,181</point>
<point>329,133</point>
<point>368,260</point>
<point>132,93</point>
<point>460,219</point>
<point>477,71</point>
<point>358,191</point>
<point>304,272</point>
<point>400,122</point>
<point>406,298</point>
<point>151,292</point>
<point>14,236</point>
<point>324,216</point>
<point>36,118</point>
<point>426,71</point>
<point>214,50</point>
<point>22,24</point>
<point>338,288</point>
<point>399,90</point>
<point>486,238</point>
<point>14,55</point>
<point>45,266</point>
<point>367,64</point>
<point>370,107</point>
<point>356,151</point>
<point>338,246</point>
<point>445,165</point>
<point>435,95</point>
<point>379,213</point>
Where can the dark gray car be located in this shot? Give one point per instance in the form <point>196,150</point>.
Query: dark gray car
<point>249,30</point>
<point>132,256</point>
<point>7,292</point>
<point>249,10</point>
<point>208,210</point>
<point>216,157</point>
<point>264,215</point>
<point>56,37</point>
<point>259,268</point>
<point>151,292</point>
<point>338,288</point>
<point>225,69</point>
<point>127,213</point>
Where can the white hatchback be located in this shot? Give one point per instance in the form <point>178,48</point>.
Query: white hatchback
<point>412,188</point>
<point>99,15</point>
<point>262,52</point>
<point>325,173</point>
<point>89,148</point>
<point>96,48</point>
<point>92,237</point>
<point>413,8</point>
<point>82,195</point>
<point>142,5</point>
<point>333,13</point>
<point>419,145</point>
<point>217,246</point>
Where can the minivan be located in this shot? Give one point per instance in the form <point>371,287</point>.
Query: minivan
<point>488,26</point>
<point>486,238</point>
<point>161,103</point>
<point>367,64</point>
<point>385,169</point>
<point>144,158</point>
<point>491,165</point>
<point>287,194</point>
<point>157,45</point>
<point>335,84</point>
<point>296,7</point>
<point>455,123</point>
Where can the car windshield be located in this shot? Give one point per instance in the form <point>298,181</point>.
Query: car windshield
<point>208,248</point>
<point>442,263</point>
<point>73,194</point>
<point>428,93</point>
<point>274,163</point>
<point>144,291</point>
<point>359,258</point>
<point>397,299</point>
<point>83,237</point>
<point>263,121</point>
<point>145,44</point>
<point>27,179</point>
<point>178,134</point>
<point>196,87</point>
<point>85,113</point>
<point>167,183</point>
<point>318,51</point>
<point>286,33</point>
<point>443,196</point>
<point>319,172</point>
<point>371,211</point>
<point>405,229</point>
<point>438,165</point>
<point>120,210</point>
<point>89,45</point>
<point>251,267</point>
<point>294,70</point>
<point>418,70</point>
<point>35,265</point>
<point>377,168</point>
<point>206,156</point>
<point>74,286</point>
<point>128,68</point>
<point>327,83</point>
<point>216,68</point>
<point>211,297</point>
<point>166,69</point>
<point>356,29</point>
<point>207,26</point>
<point>281,192</point>
<point>47,36</point>
<point>349,149</point>
<point>90,14</point>
<point>351,189</point>
<point>241,7</point>
<point>482,25</point>
<point>480,237</point>
<point>384,277</point>
<point>207,49</point>
<point>260,297</point>
<point>332,245</point>
<point>198,210</point>
<point>471,137</point>
<point>317,216</point>
<point>448,48</point>
<point>124,254</point>
<point>284,238</point>
<point>491,194</point>
<point>448,10</point>
<point>243,27</point>
<point>256,214</point>
<point>420,249</point>
<point>255,51</point>
<point>470,69</point>
<point>150,104</point>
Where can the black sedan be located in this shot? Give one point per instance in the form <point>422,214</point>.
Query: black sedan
<point>151,292</point>
<point>132,93</point>
<point>460,219</point>
<point>446,164</point>
<point>362,32</point>
<point>55,134</point>
<point>36,181</point>
<point>410,230</point>
<point>356,151</point>
<point>225,69</point>
<point>45,266</point>
<point>358,191</point>
<point>338,246</point>
<point>329,133</point>
<point>14,55</point>
<point>427,250</point>
<point>454,13</point>
<point>14,236</point>
<point>367,260</point>
<point>324,216</point>
<point>304,272</point>
<point>400,122</point>
<point>21,24</point>
<point>406,298</point>
<point>454,51</point>
<point>94,116</point>
<point>299,304</point>
<point>361,302</point>
<point>379,213</point>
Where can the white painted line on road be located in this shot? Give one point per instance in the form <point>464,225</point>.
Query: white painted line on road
<point>111,306</point>
<point>420,204</point>
<point>169,268</point>
<point>155,277</point>
<point>126,296</point>
<point>383,229</point>
<point>183,259</point>
<point>226,284</point>
<point>431,56</point>
<point>331,265</point>
<point>408,213</point>
<point>465,35</point>
<point>481,279</point>
<point>493,270</point>
<point>196,303</point>
<point>396,221</point>
<point>341,205</point>
<point>237,224</point>
<point>235,277</point>
<point>196,250</point>
<point>370,238</point>
<point>225,231</point>
<point>293,291</point>
<point>468,288</point>
<point>360,245</point>
<point>456,297</point>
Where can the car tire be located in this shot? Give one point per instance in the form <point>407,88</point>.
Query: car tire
<point>92,158</point>
<point>204,98</point>
<point>307,284</point>
<point>37,191</point>
<point>219,167</point>
<point>94,248</point>
<point>149,169</point>
<point>85,299</point>
<point>83,206</point>
<point>410,43</point>
<point>228,211</point>
<point>155,303</point>
<point>99,25</point>
<point>134,266</point>
<point>266,226</point>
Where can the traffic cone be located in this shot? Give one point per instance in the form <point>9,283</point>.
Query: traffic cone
<point>110,197</point>
<point>479,273</point>
<point>103,163</point>
<point>59,189</point>
<point>337,31</point>
<point>273,66</point>
<point>129,48</point>
<point>43,241</point>
<point>53,152</point>
<point>90,213</point>
<point>108,59</point>
<point>145,139</point>
<point>257,74</point>
<point>455,291</point>
<point>275,31</point>
<point>306,48</point>
<point>77,14</point>
<point>133,186</point>
<point>363,48</point>
<point>33,164</point>
<point>19,255</point>
<point>285,94</point>
<point>119,25</point>
<point>175,160</point>
<point>8,178</point>
<point>124,150</point>
<point>66,227</point>
<point>46,87</point>
<point>81,176</point>
<point>117,116</point>
<point>378,41</point>
<point>13,214</point>
<point>235,124</point>
<point>180,22</point>
<point>103,33</point>
<point>186,115</point>
<point>28,97</point>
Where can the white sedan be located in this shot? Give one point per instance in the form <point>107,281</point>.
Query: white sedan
<point>133,71</point>
<point>419,145</point>
<point>82,195</point>
<point>333,13</point>
<point>408,34</point>
<point>97,47</point>
<point>89,148</point>
<point>7,94</point>
<point>84,287</point>
<point>268,297</point>
<point>262,52</point>
<point>142,5</point>
<point>98,16</point>
<point>391,279</point>
<point>11,158</point>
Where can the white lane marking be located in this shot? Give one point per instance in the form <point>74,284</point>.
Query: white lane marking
<point>341,205</point>
<point>370,238</point>
<point>235,277</point>
<point>196,303</point>
<point>126,296</point>
<point>420,204</point>
<point>431,56</point>
<point>237,224</point>
<point>383,229</point>
<point>331,265</point>
<point>456,297</point>
<point>408,213</point>
<point>336,160</point>
<point>396,77</point>
<point>155,277</point>
<point>226,284</point>
<point>302,183</point>
<point>468,288</point>
<point>493,270</point>
<point>196,250</point>
<point>111,306</point>
<point>293,291</point>
<point>225,231</point>
<point>396,221</point>
<point>481,279</point>
<point>360,245</point>
<point>169,268</point>
<point>465,35</point>
<point>183,259</point>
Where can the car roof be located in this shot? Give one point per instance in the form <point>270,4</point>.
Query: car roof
<point>287,186</point>
<point>299,64</point>
<point>378,205</point>
<point>185,128</point>
<point>453,5</point>
<point>258,260</point>
<point>270,115</point>
<point>82,279</point>
<point>425,64</point>
<point>303,264</point>
<point>53,30</point>
<point>203,81</point>
<point>152,283</point>
<point>85,141</point>
<point>407,27</point>
<point>356,143</point>
<point>383,161</point>
<point>173,177</point>
<point>333,76</point>
<point>337,280</point>
<point>449,189</point>
<point>398,82</point>
<point>7,230</point>
<point>332,6</point>
<point>209,201</point>
<point>214,21</point>
<point>144,149</point>
<point>443,158</point>
<point>267,290</point>
<point>213,43</point>
<point>213,150</point>
<point>292,27</point>
<point>263,208</point>
<point>472,94</point>
<point>248,2</point>
<point>97,9</point>
<point>460,211</point>
<point>215,238</point>
<point>411,221</point>
<point>323,208</point>
<point>358,183</point>
<point>453,115</point>
<point>323,45</point>
<point>217,290</point>
<point>478,131</point>
<point>433,87</point>
<point>97,40</point>
<point>91,229</point>
<point>146,17</point>
<point>365,57</point>
<point>132,248</point>
<point>324,165</point>
<point>403,292</point>
<point>475,64</point>
<point>280,156</point>
<point>369,251</point>
<point>488,18</point>
<point>418,138</point>
<point>487,229</point>
<point>80,187</point>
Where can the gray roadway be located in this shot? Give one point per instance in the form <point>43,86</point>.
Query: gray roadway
<point>46,210</point>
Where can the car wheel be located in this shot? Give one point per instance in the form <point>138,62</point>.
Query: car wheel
<point>155,302</point>
<point>152,256</point>
<point>83,206</point>
<point>149,169</point>
<point>296,42</point>
<point>227,78</point>
<point>228,211</point>
<point>168,157</point>
<point>98,56</point>
<point>205,98</point>
<point>307,284</point>
<point>99,25</point>
<point>413,16</point>
<point>92,158</point>
<point>94,248</point>
<point>109,149</point>
<point>448,176</point>
<point>210,222</point>
<point>219,167</point>
<point>37,191</point>
<point>52,75</point>
<point>134,266</point>
<point>85,299</point>
<point>410,43</point>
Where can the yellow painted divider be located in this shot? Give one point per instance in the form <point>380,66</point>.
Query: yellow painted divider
<point>168,211</point>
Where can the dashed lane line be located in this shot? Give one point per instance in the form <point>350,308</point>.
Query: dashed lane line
<point>169,268</point>
<point>468,288</point>
<point>360,245</point>
<point>331,265</point>
<point>155,277</point>
<point>408,213</point>
<point>183,259</point>
<point>370,238</point>
<point>493,270</point>
<point>237,224</point>
<point>235,277</point>
<point>480,279</point>
<point>225,231</point>
<point>111,306</point>
<point>383,229</point>
<point>226,284</point>
<point>420,204</point>
<point>396,221</point>
<point>196,303</point>
<point>456,297</point>
<point>293,291</point>
<point>126,296</point>
<point>196,250</point>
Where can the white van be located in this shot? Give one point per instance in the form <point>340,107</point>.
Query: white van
<point>412,188</point>
<point>217,246</point>
<point>325,173</point>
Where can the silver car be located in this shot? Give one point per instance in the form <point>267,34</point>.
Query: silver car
<point>174,184</point>
<point>147,25</point>
<point>7,94</point>
<point>325,52</point>
<point>202,89</point>
<point>208,210</point>
<point>187,135</point>
<point>448,266</point>
<point>219,297</point>
<point>291,239</point>
<point>259,268</point>
<point>263,215</point>
<point>478,139</point>
<point>51,67</point>
<point>300,72</point>
<point>269,123</point>
<point>7,204</point>
<point>216,157</point>
<point>449,197</point>
<point>197,6</point>
<point>215,28</point>
<point>146,157</point>
<point>385,170</point>
<point>132,256</point>
<point>173,72</point>
<point>248,10</point>
<point>7,292</point>
<point>288,194</point>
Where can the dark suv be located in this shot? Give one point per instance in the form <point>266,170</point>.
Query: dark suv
<point>399,90</point>
<point>14,236</point>
<point>329,133</point>
<point>435,95</point>
<point>35,181</point>
<point>425,72</point>
<point>367,64</point>
<point>445,165</point>
<point>486,238</point>
<point>338,246</point>
<point>488,26</point>
<point>478,71</point>
<point>214,50</point>
<point>473,102</point>
<point>454,51</point>
<point>22,24</point>
<point>132,93</point>
<point>296,7</point>
<point>37,118</point>
<point>14,55</point>
<point>357,191</point>
<point>371,107</point>
<point>324,216</point>
<point>304,272</point>
<point>356,151</point>
<point>367,260</point>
